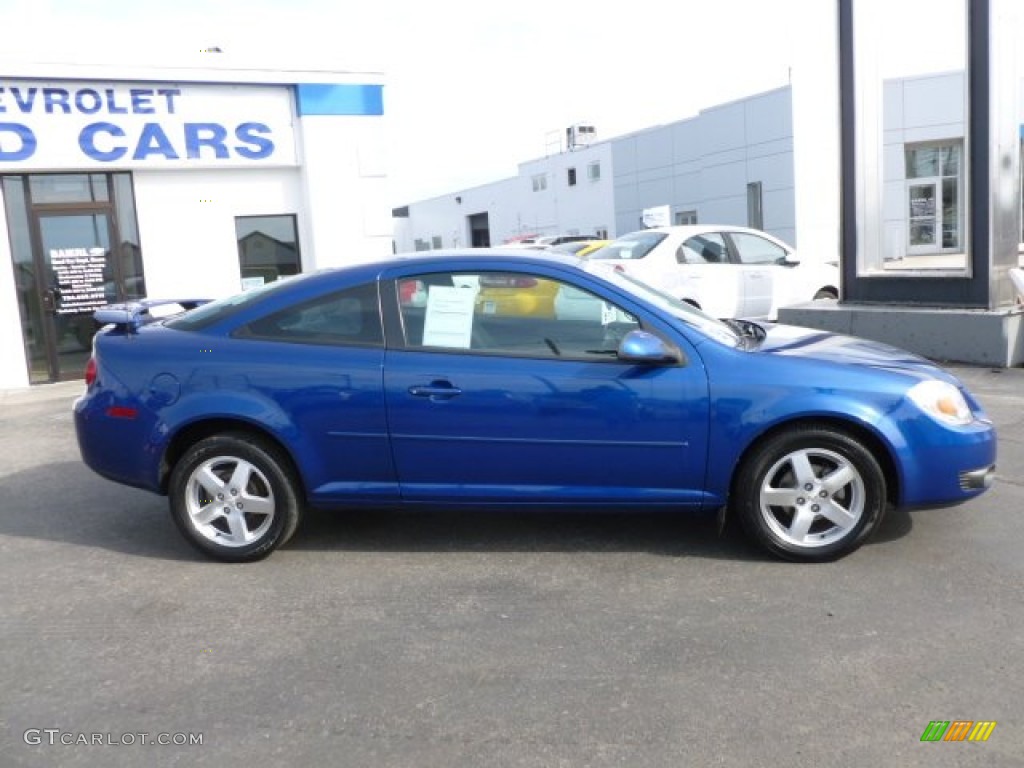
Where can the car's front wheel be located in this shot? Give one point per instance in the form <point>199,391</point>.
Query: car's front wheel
<point>810,493</point>
<point>234,497</point>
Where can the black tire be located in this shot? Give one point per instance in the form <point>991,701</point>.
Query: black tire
<point>836,504</point>
<point>826,293</point>
<point>235,523</point>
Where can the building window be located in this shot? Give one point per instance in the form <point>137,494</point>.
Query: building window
<point>594,171</point>
<point>435,241</point>
<point>268,248</point>
<point>755,209</point>
<point>540,182</point>
<point>421,245</point>
<point>685,218</point>
<point>601,232</point>
<point>572,177</point>
<point>933,198</point>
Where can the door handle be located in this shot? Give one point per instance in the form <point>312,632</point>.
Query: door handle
<point>436,390</point>
<point>50,299</point>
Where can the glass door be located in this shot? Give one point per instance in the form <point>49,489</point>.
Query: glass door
<point>75,276</point>
<point>924,219</point>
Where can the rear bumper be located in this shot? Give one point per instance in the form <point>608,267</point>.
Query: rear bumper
<point>116,448</point>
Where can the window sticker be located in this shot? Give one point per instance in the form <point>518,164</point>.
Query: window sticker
<point>449,320</point>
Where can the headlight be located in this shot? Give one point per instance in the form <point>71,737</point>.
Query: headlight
<point>942,401</point>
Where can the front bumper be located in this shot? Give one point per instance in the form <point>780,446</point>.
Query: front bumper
<point>946,465</point>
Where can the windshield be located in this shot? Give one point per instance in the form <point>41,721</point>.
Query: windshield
<point>672,306</point>
<point>632,246</point>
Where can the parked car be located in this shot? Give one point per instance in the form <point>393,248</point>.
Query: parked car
<point>501,295</point>
<point>543,242</point>
<point>581,248</point>
<point>590,247</point>
<point>346,388</point>
<point>726,271</point>
<point>517,295</point>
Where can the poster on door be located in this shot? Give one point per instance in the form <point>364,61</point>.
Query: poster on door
<point>79,277</point>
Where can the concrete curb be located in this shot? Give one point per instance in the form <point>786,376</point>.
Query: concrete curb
<point>41,393</point>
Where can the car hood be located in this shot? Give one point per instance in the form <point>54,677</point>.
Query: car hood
<point>794,341</point>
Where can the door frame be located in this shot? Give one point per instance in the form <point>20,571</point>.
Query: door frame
<point>40,263</point>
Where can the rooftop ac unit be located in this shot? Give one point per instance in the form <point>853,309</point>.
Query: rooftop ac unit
<point>580,135</point>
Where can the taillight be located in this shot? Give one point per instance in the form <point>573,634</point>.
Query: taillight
<point>90,372</point>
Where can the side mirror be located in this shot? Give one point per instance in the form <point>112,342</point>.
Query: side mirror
<point>789,260</point>
<point>647,349</point>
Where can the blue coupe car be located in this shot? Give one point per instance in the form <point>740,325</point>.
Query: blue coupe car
<point>398,383</point>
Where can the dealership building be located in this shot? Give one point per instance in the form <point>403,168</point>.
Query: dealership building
<point>758,161</point>
<point>187,182</point>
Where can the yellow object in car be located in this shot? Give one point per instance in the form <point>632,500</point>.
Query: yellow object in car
<point>590,247</point>
<point>502,294</point>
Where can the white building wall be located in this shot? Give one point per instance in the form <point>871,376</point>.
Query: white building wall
<point>344,191</point>
<point>447,217</point>
<point>582,209</point>
<point>701,164</point>
<point>704,164</point>
<point>815,116</point>
<point>929,108</point>
<point>187,225</point>
<point>514,208</point>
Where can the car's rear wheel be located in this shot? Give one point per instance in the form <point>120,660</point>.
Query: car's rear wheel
<point>810,493</point>
<point>827,293</point>
<point>235,497</point>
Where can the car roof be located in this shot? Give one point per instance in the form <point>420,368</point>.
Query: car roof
<point>458,258</point>
<point>486,256</point>
<point>688,230</point>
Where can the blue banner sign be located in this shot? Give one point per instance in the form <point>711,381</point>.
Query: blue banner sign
<point>143,125</point>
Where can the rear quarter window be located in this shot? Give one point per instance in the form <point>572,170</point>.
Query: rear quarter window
<point>346,318</point>
<point>215,311</point>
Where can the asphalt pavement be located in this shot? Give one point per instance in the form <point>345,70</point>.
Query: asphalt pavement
<point>452,639</point>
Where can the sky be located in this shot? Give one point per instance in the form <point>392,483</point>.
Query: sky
<point>472,88</point>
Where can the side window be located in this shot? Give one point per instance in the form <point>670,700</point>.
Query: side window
<point>349,317</point>
<point>514,314</point>
<point>708,248</point>
<point>753,249</point>
<point>268,248</point>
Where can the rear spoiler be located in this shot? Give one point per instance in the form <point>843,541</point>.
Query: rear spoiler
<point>133,315</point>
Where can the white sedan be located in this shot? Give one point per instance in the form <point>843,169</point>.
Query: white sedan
<point>726,271</point>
